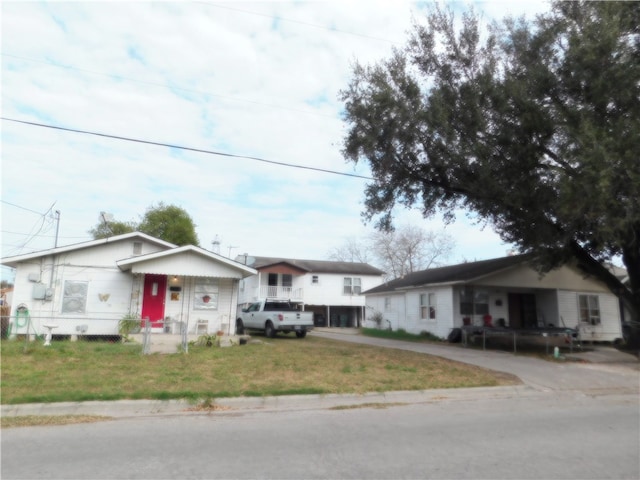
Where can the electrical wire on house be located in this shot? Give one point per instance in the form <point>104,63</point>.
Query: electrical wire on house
<point>190,149</point>
<point>40,224</point>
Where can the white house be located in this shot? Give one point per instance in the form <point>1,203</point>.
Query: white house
<point>88,287</point>
<point>331,290</point>
<point>500,292</point>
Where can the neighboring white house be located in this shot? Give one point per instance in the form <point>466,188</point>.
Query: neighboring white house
<point>504,292</point>
<point>331,290</point>
<point>88,287</point>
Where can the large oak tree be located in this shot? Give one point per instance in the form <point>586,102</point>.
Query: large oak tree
<point>532,125</point>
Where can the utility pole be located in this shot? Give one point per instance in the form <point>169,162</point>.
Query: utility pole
<point>55,245</point>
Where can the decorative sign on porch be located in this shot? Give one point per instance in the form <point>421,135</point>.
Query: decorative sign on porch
<point>206,294</point>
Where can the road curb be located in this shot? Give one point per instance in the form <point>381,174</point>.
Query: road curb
<point>132,408</point>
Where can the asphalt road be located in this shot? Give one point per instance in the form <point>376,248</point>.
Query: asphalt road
<point>544,435</point>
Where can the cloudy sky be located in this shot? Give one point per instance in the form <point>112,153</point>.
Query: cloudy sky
<point>251,79</point>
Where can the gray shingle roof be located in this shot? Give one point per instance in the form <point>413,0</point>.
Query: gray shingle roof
<point>319,266</point>
<point>462,272</point>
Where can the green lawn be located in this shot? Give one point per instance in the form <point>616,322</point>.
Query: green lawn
<point>81,371</point>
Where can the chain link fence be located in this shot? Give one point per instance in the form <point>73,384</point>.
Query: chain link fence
<point>170,336</point>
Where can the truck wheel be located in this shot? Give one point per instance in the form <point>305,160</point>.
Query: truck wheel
<point>269,331</point>
<point>239,327</point>
<point>301,334</point>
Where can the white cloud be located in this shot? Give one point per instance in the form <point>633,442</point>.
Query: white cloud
<point>250,78</point>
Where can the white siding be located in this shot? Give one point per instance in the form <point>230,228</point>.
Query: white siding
<point>555,304</point>
<point>442,325</point>
<point>610,327</point>
<point>108,299</point>
<point>403,311</point>
<point>111,293</point>
<point>180,313</point>
<point>391,312</point>
<point>187,263</point>
<point>328,291</point>
<point>564,278</point>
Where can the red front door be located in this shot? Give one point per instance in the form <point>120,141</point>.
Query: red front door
<point>155,291</point>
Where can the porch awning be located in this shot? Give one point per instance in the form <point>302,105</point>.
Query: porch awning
<point>188,261</point>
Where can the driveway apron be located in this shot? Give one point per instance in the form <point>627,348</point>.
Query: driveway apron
<point>619,376</point>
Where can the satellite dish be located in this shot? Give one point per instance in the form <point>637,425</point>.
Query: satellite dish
<point>246,259</point>
<point>105,217</point>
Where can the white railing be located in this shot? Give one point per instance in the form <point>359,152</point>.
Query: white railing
<point>286,293</point>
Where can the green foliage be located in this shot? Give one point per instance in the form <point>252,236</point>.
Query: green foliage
<point>207,341</point>
<point>400,334</point>
<point>129,324</point>
<point>167,222</point>
<point>532,126</point>
<point>170,223</point>
<point>112,228</point>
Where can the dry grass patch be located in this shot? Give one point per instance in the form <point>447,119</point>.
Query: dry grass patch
<point>49,420</point>
<point>80,371</point>
<point>377,405</point>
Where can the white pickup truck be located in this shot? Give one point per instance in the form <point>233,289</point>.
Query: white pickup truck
<point>272,317</point>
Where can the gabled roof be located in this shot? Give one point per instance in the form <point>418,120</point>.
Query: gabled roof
<point>13,261</point>
<point>461,273</point>
<point>318,266</point>
<point>201,253</point>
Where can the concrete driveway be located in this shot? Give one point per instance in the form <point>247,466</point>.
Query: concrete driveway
<point>601,371</point>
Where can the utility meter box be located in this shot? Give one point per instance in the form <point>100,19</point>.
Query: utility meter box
<point>39,291</point>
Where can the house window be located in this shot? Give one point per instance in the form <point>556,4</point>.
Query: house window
<point>315,280</point>
<point>74,297</point>
<point>206,294</point>
<point>387,303</point>
<point>474,302</point>
<point>589,308</point>
<point>137,248</point>
<point>287,280</point>
<point>428,306</point>
<point>352,286</point>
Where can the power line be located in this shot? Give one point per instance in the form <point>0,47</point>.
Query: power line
<point>191,149</point>
<point>23,208</point>
<point>41,236</point>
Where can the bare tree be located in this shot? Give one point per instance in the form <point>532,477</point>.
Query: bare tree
<point>410,249</point>
<point>398,252</point>
<point>352,250</point>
